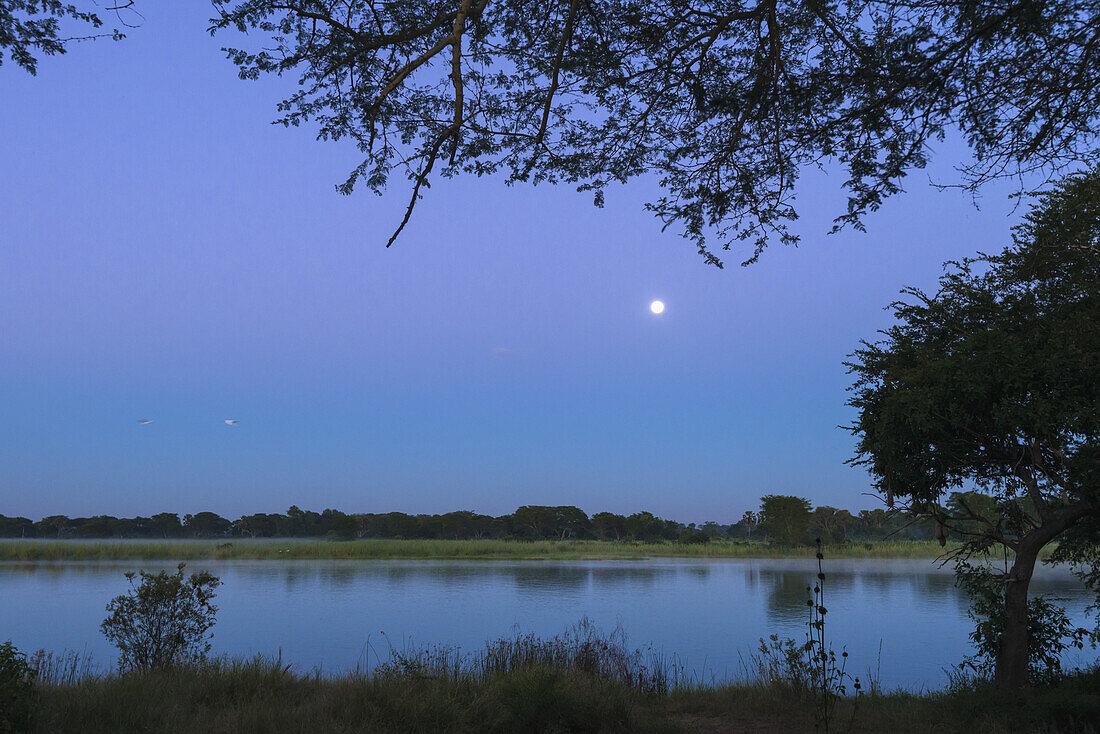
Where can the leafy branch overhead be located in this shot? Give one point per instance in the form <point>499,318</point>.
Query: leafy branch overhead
<point>32,28</point>
<point>726,101</point>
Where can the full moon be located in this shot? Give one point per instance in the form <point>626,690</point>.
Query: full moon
<point>657,306</point>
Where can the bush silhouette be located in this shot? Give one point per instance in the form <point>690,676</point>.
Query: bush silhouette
<point>162,621</point>
<point>18,696</point>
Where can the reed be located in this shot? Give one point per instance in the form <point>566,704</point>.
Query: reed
<point>63,668</point>
<point>581,649</point>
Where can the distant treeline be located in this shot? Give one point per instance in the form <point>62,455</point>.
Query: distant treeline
<point>781,519</point>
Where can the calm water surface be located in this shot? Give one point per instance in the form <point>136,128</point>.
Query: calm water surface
<point>707,613</point>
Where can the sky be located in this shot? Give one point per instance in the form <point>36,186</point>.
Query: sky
<point>168,254</point>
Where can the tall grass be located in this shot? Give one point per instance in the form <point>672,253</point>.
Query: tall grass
<point>63,668</point>
<point>268,550</point>
<point>264,696</point>
<point>580,681</point>
<point>582,649</point>
<point>523,686</point>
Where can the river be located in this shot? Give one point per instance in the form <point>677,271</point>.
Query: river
<point>902,618</point>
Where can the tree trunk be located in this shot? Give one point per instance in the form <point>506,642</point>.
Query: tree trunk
<point>1011,670</point>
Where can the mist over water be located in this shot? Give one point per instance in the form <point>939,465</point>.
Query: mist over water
<point>705,614</point>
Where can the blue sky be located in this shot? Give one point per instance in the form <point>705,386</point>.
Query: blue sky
<point>165,253</point>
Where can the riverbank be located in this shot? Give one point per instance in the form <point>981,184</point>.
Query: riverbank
<point>490,550</point>
<point>265,696</point>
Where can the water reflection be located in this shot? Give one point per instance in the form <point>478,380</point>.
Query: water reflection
<point>549,579</point>
<point>785,593</point>
<point>629,576</point>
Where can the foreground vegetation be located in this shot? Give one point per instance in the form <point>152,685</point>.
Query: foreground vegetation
<point>74,550</point>
<point>265,696</point>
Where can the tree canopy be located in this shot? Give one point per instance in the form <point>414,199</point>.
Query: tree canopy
<point>785,519</point>
<point>530,522</point>
<point>727,102</point>
<point>993,382</point>
<point>33,28</point>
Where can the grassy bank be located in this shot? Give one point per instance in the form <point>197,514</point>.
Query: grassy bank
<point>263,696</point>
<point>75,550</point>
<point>582,680</point>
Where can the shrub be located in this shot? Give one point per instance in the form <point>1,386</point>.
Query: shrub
<point>18,695</point>
<point>1049,629</point>
<point>781,662</point>
<point>162,621</point>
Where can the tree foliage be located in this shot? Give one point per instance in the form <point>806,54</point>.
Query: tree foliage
<point>33,28</point>
<point>531,522</point>
<point>19,700</point>
<point>993,382</point>
<point>726,101</point>
<point>831,525</point>
<point>785,519</point>
<point>162,621</point>
<point>1050,631</point>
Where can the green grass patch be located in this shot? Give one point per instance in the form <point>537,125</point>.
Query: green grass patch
<point>272,550</point>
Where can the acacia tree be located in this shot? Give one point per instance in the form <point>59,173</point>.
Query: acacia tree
<point>726,101</point>
<point>33,28</point>
<point>993,382</point>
